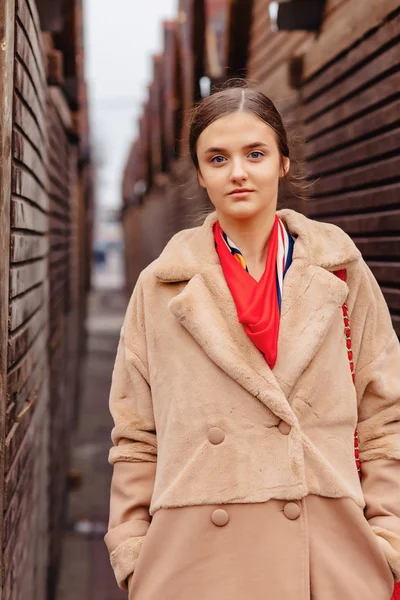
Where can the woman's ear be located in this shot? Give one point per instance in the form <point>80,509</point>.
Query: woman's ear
<point>200,179</point>
<point>285,166</point>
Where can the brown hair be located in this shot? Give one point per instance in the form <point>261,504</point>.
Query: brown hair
<point>245,98</point>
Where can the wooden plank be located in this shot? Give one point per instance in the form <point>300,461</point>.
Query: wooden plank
<point>34,14</point>
<point>351,202</point>
<point>25,185</point>
<point>364,224</point>
<point>27,58</point>
<point>385,272</point>
<point>60,256</point>
<point>22,308</point>
<point>24,453</point>
<point>356,58</point>
<point>55,67</point>
<point>260,30</point>
<point>27,247</point>
<point>25,121</point>
<point>260,11</point>
<point>382,118</point>
<point>59,224</point>
<point>381,171</point>
<point>367,75</point>
<point>379,248</point>
<point>269,62</point>
<point>396,324</point>
<point>59,150</point>
<point>57,180</point>
<point>15,554</point>
<point>7,33</point>
<point>29,391</point>
<point>24,277</point>
<point>332,5</point>
<point>26,216</point>
<point>20,341</point>
<point>16,557</point>
<point>58,202</point>
<point>25,19</point>
<point>278,85</point>
<point>364,152</point>
<point>60,104</point>
<point>58,272</point>
<point>18,505</point>
<point>257,46</point>
<point>19,375</point>
<point>392,298</point>
<point>272,43</point>
<point>26,91</point>
<point>28,156</point>
<point>10,416</point>
<point>58,240</point>
<point>355,107</point>
<point>59,154</point>
<point>347,24</point>
<point>17,433</point>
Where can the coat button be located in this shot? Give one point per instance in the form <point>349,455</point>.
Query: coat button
<point>291,511</point>
<point>216,435</point>
<point>220,517</point>
<point>284,428</point>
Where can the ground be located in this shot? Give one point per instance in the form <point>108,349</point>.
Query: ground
<point>86,573</point>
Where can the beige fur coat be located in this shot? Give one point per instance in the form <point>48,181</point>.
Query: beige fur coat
<point>198,412</point>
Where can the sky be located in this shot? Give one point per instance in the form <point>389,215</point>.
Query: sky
<point>120,37</point>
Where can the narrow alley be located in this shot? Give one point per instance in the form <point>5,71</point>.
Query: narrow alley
<point>86,573</point>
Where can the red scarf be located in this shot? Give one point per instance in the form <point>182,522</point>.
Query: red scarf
<point>256,302</point>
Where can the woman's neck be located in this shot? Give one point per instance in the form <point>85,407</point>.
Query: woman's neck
<point>251,236</point>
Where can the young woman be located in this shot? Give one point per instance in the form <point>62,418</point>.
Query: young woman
<point>235,472</point>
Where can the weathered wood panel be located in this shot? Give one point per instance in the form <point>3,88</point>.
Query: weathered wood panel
<point>192,55</point>
<point>171,97</point>
<point>42,298</point>
<point>65,324</point>
<point>24,543</point>
<point>7,33</point>
<point>351,116</point>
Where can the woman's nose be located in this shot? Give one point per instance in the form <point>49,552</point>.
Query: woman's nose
<point>238,172</point>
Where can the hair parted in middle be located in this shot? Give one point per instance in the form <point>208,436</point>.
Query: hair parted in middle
<point>236,98</point>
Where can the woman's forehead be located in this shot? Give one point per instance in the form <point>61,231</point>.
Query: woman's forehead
<point>237,130</point>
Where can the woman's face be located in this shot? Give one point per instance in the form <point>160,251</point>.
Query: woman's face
<point>240,165</point>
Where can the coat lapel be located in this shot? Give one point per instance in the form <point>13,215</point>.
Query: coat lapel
<point>311,298</point>
<point>206,309</point>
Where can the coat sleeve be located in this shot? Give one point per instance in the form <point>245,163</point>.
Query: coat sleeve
<point>134,451</point>
<point>377,380</point>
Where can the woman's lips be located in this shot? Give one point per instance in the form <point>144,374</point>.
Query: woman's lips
<point>240,193</point>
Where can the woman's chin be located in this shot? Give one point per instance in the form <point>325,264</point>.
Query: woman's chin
<point>243,209</point>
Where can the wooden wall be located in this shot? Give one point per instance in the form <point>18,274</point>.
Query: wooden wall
<point>159,158</point>
<point>26,473</point>
<point>64,326</point>
<point>351,111</point>
<point>40,303</point>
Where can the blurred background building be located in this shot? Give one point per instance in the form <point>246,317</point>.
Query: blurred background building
<point>84,210</point>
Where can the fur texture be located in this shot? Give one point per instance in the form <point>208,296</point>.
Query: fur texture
<point>123,559</point>
<point>185,364</point>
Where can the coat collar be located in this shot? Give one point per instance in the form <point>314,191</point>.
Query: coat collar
<point>312,297</point>
<point>192,250</point>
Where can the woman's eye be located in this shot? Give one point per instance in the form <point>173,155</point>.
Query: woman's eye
<point>217,159</point>
<point>256,154</point>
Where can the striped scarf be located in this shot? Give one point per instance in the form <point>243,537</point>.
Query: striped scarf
<point>258,304</point>
<point>283,259</point>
